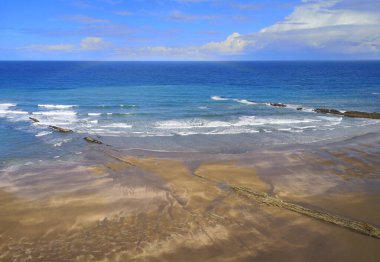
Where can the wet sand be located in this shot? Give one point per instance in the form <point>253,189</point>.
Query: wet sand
<point>114,205</point>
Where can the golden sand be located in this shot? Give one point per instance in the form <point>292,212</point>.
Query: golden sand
<point>158,209</point>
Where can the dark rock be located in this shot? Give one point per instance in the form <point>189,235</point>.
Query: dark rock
<point>278,104</point>
<point>60,129</point>
<point>355,114</point>
<point>35,120</point>
<point>299,108</point>
<point>92,140</point>
<point>358,114</point>
<point>328,111</point>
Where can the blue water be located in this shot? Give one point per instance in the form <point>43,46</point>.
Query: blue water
<point>175,105</point>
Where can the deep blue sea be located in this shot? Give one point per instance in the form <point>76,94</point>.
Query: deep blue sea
<point>195,106</point>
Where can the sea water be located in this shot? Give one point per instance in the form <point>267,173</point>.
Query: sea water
<point>185,106</point>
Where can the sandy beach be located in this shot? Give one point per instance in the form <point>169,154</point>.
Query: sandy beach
<point>112,205</point>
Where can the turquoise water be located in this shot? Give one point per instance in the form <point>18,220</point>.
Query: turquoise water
<point>197,106</point>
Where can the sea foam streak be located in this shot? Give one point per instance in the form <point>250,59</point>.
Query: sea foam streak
<point>7,105</point>
<point>57,106</point>
<point>245,101</point>
<point>55,113</point>
<point>241,121</point>
<point>43,133</point>
<point>219,98</point>
<point>13,112</point>
<point>118,125</point>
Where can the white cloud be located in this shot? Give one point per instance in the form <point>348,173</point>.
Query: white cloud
<point>317,14</point>
<point>86,44</point>
<point>316,26</point>
<point>50,48</point>
<point>319,25</point>
<point>232,45</point>
<point>93,43</point>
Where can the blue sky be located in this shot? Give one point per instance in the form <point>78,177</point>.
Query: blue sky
<point>189,29</point>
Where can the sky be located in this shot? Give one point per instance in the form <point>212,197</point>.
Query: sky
<point>108,30</point>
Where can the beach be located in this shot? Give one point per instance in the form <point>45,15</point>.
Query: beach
<point>151,206</point>
<point>150,161</point>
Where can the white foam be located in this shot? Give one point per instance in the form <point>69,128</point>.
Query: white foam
<point>252,120</point>
<point>118,125</point>
<point>188,124</point>
<point>43,133</point>
<point>60,143</point>
<point>57,117</point>
<point>56,113</point>
<point>306,127</point>
<point>12,115</point>
<point>219,98</point>
<point>57,106</point>
<point>94,114</point>
<point>7,105</point>
<point>245,101</point>
<point>13,112</point>
<point>293,106</point>
<point>240,122</point>
<point>332,120</point>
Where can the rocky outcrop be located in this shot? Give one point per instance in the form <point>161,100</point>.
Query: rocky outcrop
<point>299,108</point>
<point>278,104</point>
<point>60,129</point>
<point>358,114</point>
<point>327,111</point>
<point>35,120</point>
<point>355,114</point>
<point>92,140</point>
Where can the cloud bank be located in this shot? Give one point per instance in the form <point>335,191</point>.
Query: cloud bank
<point>325,28</point>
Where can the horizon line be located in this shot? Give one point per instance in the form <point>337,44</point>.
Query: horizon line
<point>214,61</point>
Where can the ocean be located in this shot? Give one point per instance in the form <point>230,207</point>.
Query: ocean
<point>198,162</point>
<point>217,107</point>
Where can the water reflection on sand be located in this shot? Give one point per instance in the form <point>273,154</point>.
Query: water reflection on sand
<point>153,207</point>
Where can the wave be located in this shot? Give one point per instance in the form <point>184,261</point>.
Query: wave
<point>13,112</point>
<point>94,114</point>
<point>118,125</point>
<point>43,133</point>
<point>245,101</point>
<point>188,124</point>
<point>7,105</point>
<point>56,113</point>
<point>240,122</point>
<point>219,98</point>
<point>56,106</point>
<point>253,120</point>
<point>108,106</point>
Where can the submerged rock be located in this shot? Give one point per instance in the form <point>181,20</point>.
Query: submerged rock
<point>278,104</point>
<point>92,140</point>
<point>299,108</point>
<point>35,120</point>
<point>61,129</point>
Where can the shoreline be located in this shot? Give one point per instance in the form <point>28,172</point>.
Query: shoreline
<point>151,205</point>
